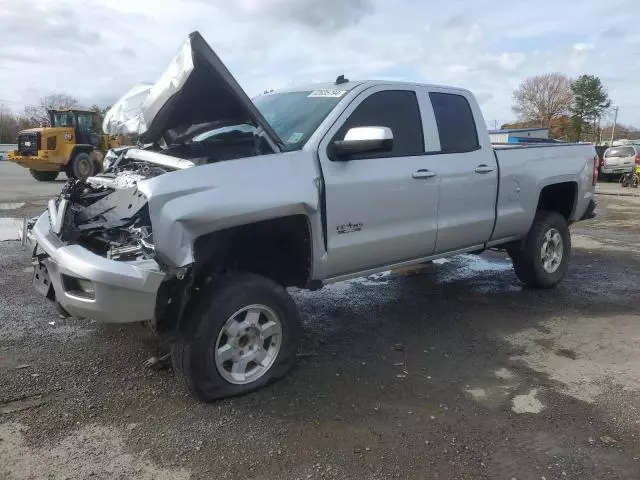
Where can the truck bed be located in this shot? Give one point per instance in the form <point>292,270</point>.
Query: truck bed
<point>526,169</point>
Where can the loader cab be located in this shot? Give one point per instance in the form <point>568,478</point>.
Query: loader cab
<point>83,123</point>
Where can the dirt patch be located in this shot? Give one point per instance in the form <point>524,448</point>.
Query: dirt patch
<point>592,354</point>
<point>91,452</point>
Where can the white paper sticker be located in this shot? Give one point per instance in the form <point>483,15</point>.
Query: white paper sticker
<point>327,93</point>
<point>295,137</point>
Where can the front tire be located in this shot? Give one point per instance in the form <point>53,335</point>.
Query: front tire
<point>81,166</point>
<point>240,333</point>
<point>44,176</point>
<point>543,259</point>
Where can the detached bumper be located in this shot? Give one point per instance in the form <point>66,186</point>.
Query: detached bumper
<point>90,286</point>
<point>41,162</point>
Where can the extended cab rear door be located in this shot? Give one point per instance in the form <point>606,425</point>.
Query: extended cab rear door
<point>381,208</point>
<point>467,169</point>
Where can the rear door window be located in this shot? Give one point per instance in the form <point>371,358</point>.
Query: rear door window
<point>456,125</point>
<point>620,152</point>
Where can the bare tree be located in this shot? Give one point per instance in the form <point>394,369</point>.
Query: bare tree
<point>542,98</point>
<point>38,115</point>
<point>10,124</point>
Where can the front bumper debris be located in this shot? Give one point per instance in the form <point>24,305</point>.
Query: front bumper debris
<point>90,286</point>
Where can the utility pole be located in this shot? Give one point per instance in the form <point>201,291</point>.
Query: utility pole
<point>599,133</point>
<point>615,119</point>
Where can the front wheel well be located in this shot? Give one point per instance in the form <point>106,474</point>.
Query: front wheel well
<point>279,249</point>
<point>559,197</point>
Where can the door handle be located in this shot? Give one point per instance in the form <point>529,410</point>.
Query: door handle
<point>423,173</point>
<point>484,169</point>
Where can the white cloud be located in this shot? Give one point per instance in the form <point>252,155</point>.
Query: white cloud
<point>97,49</point>
<point>583,47</point>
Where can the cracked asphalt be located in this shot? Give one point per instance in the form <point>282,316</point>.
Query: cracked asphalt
<point>452,371</point>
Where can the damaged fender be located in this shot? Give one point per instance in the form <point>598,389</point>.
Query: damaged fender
<point>193,202</point>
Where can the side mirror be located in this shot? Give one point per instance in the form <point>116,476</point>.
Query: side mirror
<point>363,140</point>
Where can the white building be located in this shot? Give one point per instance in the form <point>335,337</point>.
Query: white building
<point>519,135</point>
<point>5,148</point>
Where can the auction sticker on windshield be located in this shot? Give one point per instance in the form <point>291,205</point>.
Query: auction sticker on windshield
<point>327,92</point>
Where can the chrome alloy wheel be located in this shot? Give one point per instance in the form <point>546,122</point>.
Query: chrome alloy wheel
<point>552,250</point>
<point>248,344</point>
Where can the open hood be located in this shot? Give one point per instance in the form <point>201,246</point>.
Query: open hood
<point>196,88</point>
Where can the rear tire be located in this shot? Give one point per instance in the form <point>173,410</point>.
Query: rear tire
<point>543,259</point>
<point>44,176</point>
<point>240,333</point>
<point>81,166</point>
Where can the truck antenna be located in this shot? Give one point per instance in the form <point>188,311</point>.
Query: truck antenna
<point>341,80</point>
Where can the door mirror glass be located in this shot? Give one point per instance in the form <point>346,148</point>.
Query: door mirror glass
<point>360,140</point>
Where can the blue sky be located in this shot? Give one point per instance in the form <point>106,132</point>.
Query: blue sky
<point>95,50</point>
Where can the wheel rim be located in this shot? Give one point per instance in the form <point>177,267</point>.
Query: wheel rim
<point>552,251</point>
<point>84,168</point>
<point>248,344</point>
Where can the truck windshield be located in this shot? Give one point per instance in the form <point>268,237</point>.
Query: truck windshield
<point>62,119</point>
<point>295,115</point>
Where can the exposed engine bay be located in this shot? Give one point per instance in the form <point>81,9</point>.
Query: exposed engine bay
<point>107,214</point>
<point>195,114</point>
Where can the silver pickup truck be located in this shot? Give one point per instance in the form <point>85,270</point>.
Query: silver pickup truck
<point>231,201</point>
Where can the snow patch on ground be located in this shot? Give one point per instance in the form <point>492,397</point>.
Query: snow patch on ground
<point>504,374</point>
<point>10,228</point>
<point>11,205</point>
<point>527,403</point>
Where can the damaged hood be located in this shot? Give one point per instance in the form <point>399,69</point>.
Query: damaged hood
<point>196,88</point>
<point>125,116</point>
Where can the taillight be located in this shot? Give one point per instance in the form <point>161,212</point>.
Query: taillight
<point>596,162</point>
<point>638,159</point>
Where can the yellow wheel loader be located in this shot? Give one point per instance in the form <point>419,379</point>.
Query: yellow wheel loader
<point>69,145</point>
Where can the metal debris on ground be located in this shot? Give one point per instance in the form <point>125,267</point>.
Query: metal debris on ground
<point>607,440</point>
<point>155,361</point>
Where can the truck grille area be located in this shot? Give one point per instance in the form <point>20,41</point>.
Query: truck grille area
<point>28,143</point>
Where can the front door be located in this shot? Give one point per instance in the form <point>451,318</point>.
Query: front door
<point>380,208</point>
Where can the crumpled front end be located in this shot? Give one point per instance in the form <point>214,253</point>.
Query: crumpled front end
<point>95,253</point>
<point>106,215</point>
<point>87,285</point>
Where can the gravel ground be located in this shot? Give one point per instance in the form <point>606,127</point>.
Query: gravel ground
<point>452,371</point>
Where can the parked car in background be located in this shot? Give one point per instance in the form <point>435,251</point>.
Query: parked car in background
<point>620,160</point>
